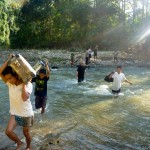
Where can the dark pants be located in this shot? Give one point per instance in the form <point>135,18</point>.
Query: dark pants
<point>90,56</point>
<point>116,92</point>
<point>40,102</point>
<point>80,80</point>
<point>87,60</point>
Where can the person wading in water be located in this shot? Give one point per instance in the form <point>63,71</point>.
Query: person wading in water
<point>118,78</point>
<point>21,112</point>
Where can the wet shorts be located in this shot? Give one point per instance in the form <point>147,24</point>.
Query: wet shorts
<point>116,92</point>
<point>24,121</point>
<point>40,102</point>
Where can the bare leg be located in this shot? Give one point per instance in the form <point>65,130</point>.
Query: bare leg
<point>9,131</point>
<point>26,132</point>
<point>43,110</point>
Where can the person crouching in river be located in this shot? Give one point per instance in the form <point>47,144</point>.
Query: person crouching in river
<point>118,78</point>
<point>21,112</point>
<point>81,71</point>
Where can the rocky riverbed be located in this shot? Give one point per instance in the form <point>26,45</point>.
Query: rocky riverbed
<point>61,58</point>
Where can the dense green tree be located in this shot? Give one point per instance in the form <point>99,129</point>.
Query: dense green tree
<point>32,23</point>
<point>66,23</point>
<point>53,24</point>
<point>4,26</point>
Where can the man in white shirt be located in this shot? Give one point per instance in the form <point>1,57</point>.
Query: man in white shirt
<point>118,78</point>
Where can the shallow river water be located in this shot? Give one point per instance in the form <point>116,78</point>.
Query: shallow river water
<point>86,116</point>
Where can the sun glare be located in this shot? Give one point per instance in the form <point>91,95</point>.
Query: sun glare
<point>145,34</point>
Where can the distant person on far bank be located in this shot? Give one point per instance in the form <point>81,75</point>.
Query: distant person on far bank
<point>81,71</point>
<point>95,52</point>
<point>118,78</point>
<point>41,88</point>
<point>115,57</point>
<point>72,59</point>
<point>87,57</point>
<point>90,53</point>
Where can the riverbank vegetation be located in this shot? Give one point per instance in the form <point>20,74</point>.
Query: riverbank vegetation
<point>113,25</point>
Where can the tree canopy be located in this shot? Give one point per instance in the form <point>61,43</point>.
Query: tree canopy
<point>114,24</point>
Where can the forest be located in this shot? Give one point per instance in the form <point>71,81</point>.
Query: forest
<point>54,24</point>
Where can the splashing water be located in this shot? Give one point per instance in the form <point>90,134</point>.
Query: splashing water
<point>86,116</point>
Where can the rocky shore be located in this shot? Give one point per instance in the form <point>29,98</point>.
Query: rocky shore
<point>61,58</point>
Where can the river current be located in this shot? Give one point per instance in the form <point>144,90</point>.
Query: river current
<point>86,116</point>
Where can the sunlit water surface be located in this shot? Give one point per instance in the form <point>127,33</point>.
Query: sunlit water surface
<point>86,116</point>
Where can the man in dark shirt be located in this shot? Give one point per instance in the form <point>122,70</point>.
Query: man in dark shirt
<point>41,88</point>
<point>81,71</point>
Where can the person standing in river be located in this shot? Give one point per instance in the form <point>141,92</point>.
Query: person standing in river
<point>118,78</point>
<point>81,71</point>
<point>21,112</point>
<point>41,88</point>
<point>87,57</point>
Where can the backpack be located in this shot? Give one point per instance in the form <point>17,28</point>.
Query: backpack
<point>107,79</point>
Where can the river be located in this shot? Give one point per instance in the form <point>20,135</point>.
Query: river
<point>86,116</point>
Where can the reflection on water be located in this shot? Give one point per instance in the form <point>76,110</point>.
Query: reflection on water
<point>86,116</point>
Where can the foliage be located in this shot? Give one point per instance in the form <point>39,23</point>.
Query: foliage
<point>4,27</point>
<point>72,23</point>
